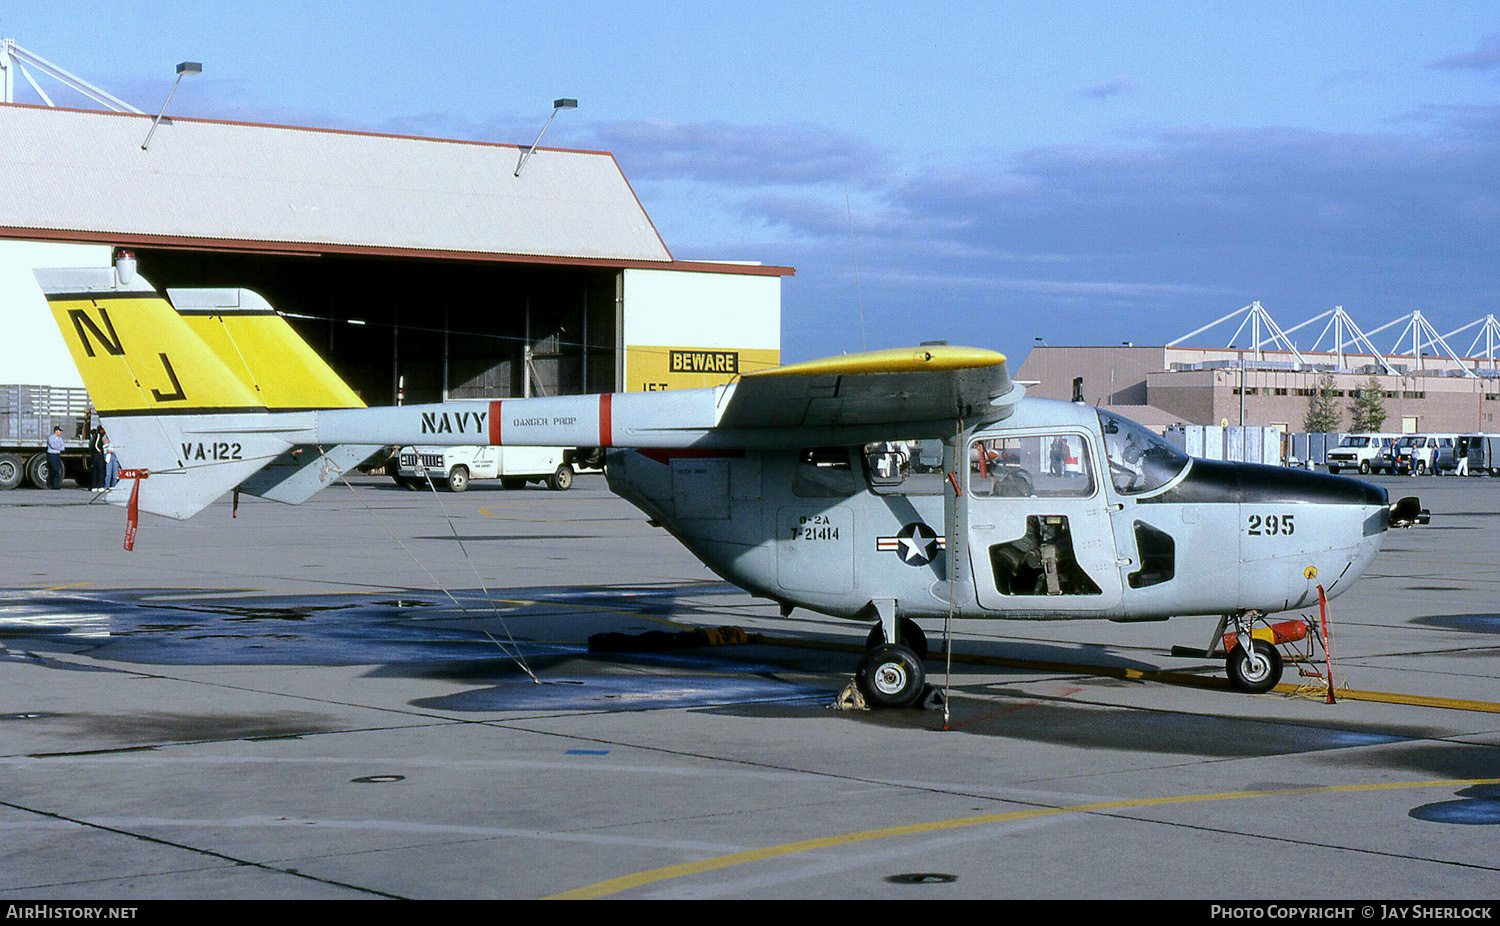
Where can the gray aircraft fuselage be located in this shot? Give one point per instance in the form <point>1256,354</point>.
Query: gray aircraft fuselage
<point>1053,520</point>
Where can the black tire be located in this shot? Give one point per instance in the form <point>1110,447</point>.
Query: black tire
<point>1333,470</point>
<point>1254,677</point>
<point>412,483</point>
<point>1364,467</point>
<point>911,636</point>
<point>458,479</point>
<point>561,480</point>
<point>12,471</point>
<point>891,676</point>
<point>1420,469</point>
<point>36,470</point>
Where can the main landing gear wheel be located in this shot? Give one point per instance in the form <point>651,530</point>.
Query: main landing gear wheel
<point>911,635</point>
<point>891,676</point>
<point>1256,671</point>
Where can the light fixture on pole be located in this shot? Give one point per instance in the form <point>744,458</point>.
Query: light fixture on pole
<point>527,152</point>
<point>183,69</point>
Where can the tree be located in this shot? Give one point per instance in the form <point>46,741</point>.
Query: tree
<point>1323,412</point>
<point>1368,408</point>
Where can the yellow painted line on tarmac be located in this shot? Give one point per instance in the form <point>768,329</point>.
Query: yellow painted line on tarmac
<point>718,863</point>
<point>1387,697</point>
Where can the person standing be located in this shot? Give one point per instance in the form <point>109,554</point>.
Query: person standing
<point>54,459</point>
<point>96,461</point>
<point>111,463</point>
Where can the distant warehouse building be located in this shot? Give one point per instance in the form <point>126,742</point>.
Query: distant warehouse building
<point>1162,386</point>
<point>422,269</point>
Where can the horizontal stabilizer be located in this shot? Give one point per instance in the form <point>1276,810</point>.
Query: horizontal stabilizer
<point>190,460</point>
<point>302,472</point>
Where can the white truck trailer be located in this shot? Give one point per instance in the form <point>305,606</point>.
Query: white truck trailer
<point>39,385</point>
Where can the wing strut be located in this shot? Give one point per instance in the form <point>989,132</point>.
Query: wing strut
<point>952,494</point>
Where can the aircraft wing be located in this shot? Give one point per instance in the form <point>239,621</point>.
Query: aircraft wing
<point>936,383</point>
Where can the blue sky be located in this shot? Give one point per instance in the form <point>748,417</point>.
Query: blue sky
<point>1083,172</point>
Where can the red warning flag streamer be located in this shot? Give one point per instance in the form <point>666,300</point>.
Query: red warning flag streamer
<point>1327,650</point>
<point>133,510</point>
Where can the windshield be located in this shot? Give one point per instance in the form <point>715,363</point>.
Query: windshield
<point>1139,461</point>
<point>1355,442</point>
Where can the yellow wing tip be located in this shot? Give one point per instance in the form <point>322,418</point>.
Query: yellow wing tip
<point>894,360</point>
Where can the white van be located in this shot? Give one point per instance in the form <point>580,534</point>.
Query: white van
<point>1368,453</point>
<point>453,467</point>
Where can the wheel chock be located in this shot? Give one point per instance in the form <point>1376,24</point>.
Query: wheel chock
<point>850,699</point>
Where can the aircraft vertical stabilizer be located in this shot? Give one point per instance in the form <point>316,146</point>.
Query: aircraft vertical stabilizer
<point>170,405</point>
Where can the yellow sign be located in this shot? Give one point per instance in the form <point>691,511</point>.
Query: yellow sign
<point>1311,572</point>
<point>649,369</point>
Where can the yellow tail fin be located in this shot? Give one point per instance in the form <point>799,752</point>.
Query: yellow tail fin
<point>262,349</point>
<point>135,354</point>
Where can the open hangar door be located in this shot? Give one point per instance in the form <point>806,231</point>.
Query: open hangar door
<point>409,330</point>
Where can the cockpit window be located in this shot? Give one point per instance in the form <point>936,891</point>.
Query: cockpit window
<point>1139,461</point>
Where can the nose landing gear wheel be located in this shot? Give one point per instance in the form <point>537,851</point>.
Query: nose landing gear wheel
<point>891,676</point>
<point>1256,671</point>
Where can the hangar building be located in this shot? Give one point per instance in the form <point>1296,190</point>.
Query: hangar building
<point>422,269</point>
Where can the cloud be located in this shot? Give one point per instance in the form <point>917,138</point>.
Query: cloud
<point>1484,58</point>
<point>1109,88</point>
<point>796,153</point>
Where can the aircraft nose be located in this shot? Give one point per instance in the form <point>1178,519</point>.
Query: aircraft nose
<point>1280,484</point>
<point>1250,483</point>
